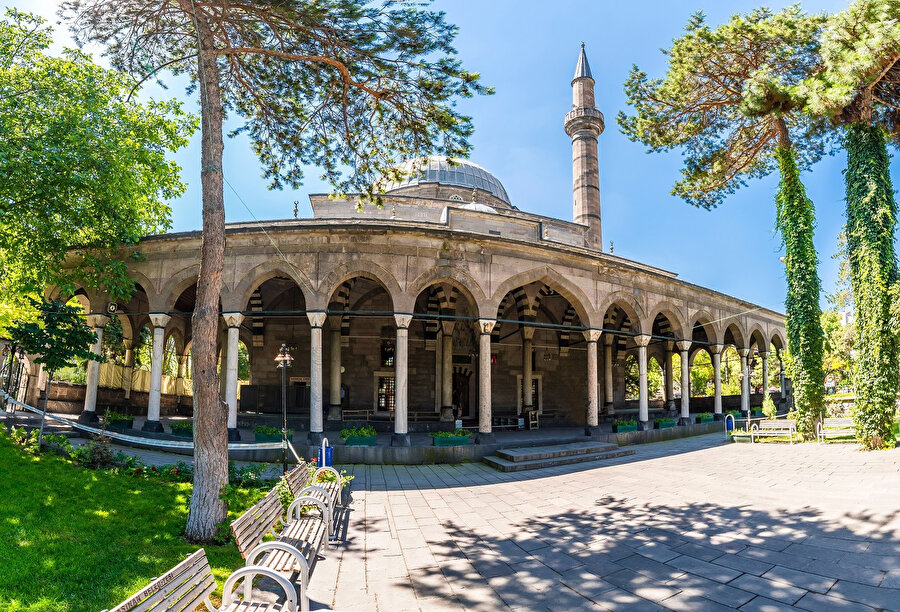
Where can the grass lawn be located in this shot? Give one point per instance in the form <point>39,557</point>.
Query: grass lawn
<point>74,539</point>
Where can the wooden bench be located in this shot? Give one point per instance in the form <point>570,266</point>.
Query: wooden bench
<point>772,427</point>
<point>355,414</point>
<point>189,584</point>
<point>292,554</point>
<point>305,479</point>
<point>834,428</point>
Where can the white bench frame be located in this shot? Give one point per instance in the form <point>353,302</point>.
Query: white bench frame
<point>769,427</point>
<point>837,427</point>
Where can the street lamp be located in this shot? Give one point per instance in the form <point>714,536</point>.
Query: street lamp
<point>284,361</point>
<point>751,364</point>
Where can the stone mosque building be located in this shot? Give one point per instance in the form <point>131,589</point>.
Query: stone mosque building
<point>447,303</point>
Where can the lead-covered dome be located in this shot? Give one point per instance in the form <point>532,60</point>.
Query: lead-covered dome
<point>437,169</point>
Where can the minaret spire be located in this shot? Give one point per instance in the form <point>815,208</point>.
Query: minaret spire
<point>584,124</point>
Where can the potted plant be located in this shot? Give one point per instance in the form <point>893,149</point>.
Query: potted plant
<point>663,423</point>
<point>458,437</point>
<point>358,436</point>
<point>623,425</point>
<point>261,433</point>
<point>705,417</point>
<point>183,429</point>
<point>757,412</point>
<point>117,420</point>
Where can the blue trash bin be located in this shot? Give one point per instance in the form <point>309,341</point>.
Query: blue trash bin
<point>326,456</point>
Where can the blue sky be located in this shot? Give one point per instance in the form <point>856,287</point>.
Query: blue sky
<point>527,51</point>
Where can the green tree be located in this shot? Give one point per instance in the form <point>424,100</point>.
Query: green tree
<point>859,90</point>
<point>58,339</point>
<point>350,86</point>
<point>728,101</point>
<point>83,168</point>
<point>838,347</point>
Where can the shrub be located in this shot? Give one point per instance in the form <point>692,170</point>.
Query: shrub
<point>663,421</point>
<point>112,416</point>
<point>705,415</point>
<point>270,431</point>
<point>448,434</point>
<point>95,454</point>
<point>768,407</point>
<point>366,430</point>
<point>182,426</point>
<point>625,422</point>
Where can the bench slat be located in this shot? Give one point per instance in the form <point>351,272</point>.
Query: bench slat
<point>190,580</point>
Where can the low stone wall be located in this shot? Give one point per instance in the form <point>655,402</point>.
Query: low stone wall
<point>68,398</point>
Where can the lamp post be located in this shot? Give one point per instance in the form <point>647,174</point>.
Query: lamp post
<point>751,363</point>
<point>284,361</point>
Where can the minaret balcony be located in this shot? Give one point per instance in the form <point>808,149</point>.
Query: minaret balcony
<point>584,117</point>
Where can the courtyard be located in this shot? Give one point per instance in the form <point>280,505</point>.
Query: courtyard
<point>691,524</point>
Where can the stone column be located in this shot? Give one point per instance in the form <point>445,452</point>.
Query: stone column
<point>96,322</point>
<point>592,427</point>
<point>716,350</point>
<point>670,378</point>
<point>684,346</point>
<point>401,381</point>
<point>447,371</point>
<point>233,323</point>
<point>781,377</point>
<point>643,397</point>
<point>764,355</point>
<point>745,381</point>
<point>159,322</point>
<point>129,367</point>
<point>334,380</point>
<point>527,362</point>
<point>609,405</point>
<point>316,425</point>
<point>485,436</point>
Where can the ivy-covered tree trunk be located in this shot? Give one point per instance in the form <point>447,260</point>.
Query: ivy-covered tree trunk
<point>805,338</point>
<point>871,221</point>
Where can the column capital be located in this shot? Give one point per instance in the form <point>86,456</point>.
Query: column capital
<point>316,319</point>
<point>716,349</point>
<point>447,327</point>
<point>160,319</point>
<point>592,335</point>
<point>743,352</point>
<point>334,322</point>
<point>764,354</point>
<point>670,346</point>
<point>528,332</point>
<point>642,340</point>
<point>232,319</point>
<point>402,320</point>
<point>684,345</point>
<point>97,320</point>
<point>129,344</point>
<point>608,338</point>
<point>486,326</point>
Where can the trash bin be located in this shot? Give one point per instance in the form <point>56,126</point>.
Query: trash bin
<point>326,456</point>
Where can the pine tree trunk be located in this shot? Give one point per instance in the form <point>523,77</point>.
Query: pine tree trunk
<point>871,222</point>
<point>210,413</point>
<point>805,338</point>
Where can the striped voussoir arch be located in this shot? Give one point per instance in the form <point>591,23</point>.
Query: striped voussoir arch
<point>257,323</point>
<point>569,337</point>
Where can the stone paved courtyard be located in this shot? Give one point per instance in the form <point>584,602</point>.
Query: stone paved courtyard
<point>692,524</point>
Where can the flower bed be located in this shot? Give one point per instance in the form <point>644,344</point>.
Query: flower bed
<point>183,429</point>
<point>624,426</point>
<point>705,417</point>
<point>459,437</point>
<point>664,423</point>
<point>270,434</point>
<point>359,436</point>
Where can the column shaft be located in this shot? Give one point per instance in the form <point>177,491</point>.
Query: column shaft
<point>129,367</point>
<point>231,375</point>
<point>670,380</point>
<point>159,322</point>
<point>92,378</point>
<point>608,377</point>
<point>685,386</point>
<point>447,372</point>
<point>334,380</point>
<point>401,386</point>
<point>765,374</point>
<point>527,374</point>
<point>745,383</point>
<point>485,435</point>
<point>643,398</point>
<point>717,379</point>
<point>593,406</point>
<point>316,425</point>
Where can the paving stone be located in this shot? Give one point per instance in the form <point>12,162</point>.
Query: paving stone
<point>704,553</point>
<point>767,588</point>
<point>803,580</point>
<point>702,568</point>
<point>642,585</point>
<point>876,597</point>
<point>626,601</point>
<point>844,571</point>
<point>693,603</point>
<point>657,552</point>
<point>817,603</point>
<point>744,564</point>
<point>724,594</point>
<point>764,604</point>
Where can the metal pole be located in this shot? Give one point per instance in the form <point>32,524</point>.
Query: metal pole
<point>44,413</point>
<point>283,366</point>
<point>12,359</point>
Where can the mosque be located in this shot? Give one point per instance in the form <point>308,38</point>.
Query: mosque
<point>447,303</point>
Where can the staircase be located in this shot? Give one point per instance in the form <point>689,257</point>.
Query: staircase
<point>535,457</point>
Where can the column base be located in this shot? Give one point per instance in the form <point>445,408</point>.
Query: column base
<point>592,431</point>
<point>315,438</point>
<point>334,412</point>
<point>234,434</point>
<point>152,427</point>
<point>608,408</point>
<point>447,414</point>
<point>718,417</point>
<point>88,417</point>
<point>645,425</point>
<point>684,421</point>
<point>398,439</point>
<point>485,438</point>
<point>670,405</point>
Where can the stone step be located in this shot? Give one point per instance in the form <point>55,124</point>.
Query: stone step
<point>505,465</point>
<point>554,450</point>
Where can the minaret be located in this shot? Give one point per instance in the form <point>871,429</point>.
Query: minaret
<point>584,123</point>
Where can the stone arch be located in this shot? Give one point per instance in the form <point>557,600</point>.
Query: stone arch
<point>776,339</point>
<point>453,276</point>
<point>164,301</point>
<point>237,298</point>
<point>628,304</point>
<point>733,335</point>
<point>707,323</point>
<point>356,268</point>
<point>757,337</point>
<point>672,313</point>
<point>553,279</point>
